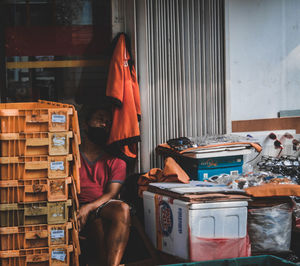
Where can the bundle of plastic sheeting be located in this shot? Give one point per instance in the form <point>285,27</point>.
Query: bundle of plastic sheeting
<point>270,228</point>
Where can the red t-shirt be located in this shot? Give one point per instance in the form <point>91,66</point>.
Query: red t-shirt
<point>94,176</point>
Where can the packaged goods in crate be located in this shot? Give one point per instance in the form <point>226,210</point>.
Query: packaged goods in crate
<point>18,191</point>
<point>32,144</point>
<point>34,236</point>
<point>20,214</point>
<point>15,168</point>
<point>52,256</point>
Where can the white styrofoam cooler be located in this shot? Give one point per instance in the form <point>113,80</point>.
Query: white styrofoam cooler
<point>169,223</point>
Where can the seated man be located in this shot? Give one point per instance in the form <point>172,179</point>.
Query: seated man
<point>104,219</point>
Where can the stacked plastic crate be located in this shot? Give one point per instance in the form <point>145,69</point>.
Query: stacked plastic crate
<point>39,164</point>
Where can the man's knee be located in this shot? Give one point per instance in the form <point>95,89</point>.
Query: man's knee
<point>122,212</point>
<point>117,212</point>
<point>125,212</point>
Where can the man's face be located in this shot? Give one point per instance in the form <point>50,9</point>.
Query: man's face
<point>101,119</point>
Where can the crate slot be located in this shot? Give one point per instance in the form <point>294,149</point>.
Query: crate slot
<point>16,168</point>
<point>20,191</point>
<point>35,236</point>
<point>20,214</point>
<point>52,256</point>
<point>37,117</point>
<point>34,144</point>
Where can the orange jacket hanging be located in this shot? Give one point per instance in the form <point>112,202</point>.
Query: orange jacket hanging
<point>123,89</point>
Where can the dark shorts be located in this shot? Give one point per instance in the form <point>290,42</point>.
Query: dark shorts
<point>98,210</point>
<point>96,214</point>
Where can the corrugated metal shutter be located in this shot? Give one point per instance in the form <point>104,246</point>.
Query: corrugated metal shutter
<point>185,61</point>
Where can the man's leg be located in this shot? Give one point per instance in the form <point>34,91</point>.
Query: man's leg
<point>97,237</point>
<point>118,215</point>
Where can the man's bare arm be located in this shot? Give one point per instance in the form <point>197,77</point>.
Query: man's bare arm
<point>111,192</point>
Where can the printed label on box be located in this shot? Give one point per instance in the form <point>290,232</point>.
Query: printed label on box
<point>166,218</point>
<point>59,141</point>
<point>57,166</point>
<point>58,118</point>
<point>58,255</point>
<point>57,214</point>
<point>55,234</point>
<point>209,163</point>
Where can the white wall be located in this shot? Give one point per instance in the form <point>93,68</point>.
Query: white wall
<point>262,57</point>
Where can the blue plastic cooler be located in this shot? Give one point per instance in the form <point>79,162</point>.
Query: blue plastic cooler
<point>202,169</point>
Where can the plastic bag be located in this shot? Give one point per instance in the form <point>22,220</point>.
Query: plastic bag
<point>270,228</point>
<point>297,212</point>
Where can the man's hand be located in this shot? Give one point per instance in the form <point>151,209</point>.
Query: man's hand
<point>83,214</point>
<point>111,192</point>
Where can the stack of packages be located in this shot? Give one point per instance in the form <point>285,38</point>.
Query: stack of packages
<point>39,165</point>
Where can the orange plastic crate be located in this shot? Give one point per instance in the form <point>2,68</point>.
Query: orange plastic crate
<point>52,256</point>
<point>33,117</point>
<point>20,214</point>
<point>32,144</point>
<point>18,191</point>
<point>15,168</point>
<point>41,116</point>
<point>34,236</point>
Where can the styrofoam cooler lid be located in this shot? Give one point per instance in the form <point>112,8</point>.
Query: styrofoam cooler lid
<point>198,206</point>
